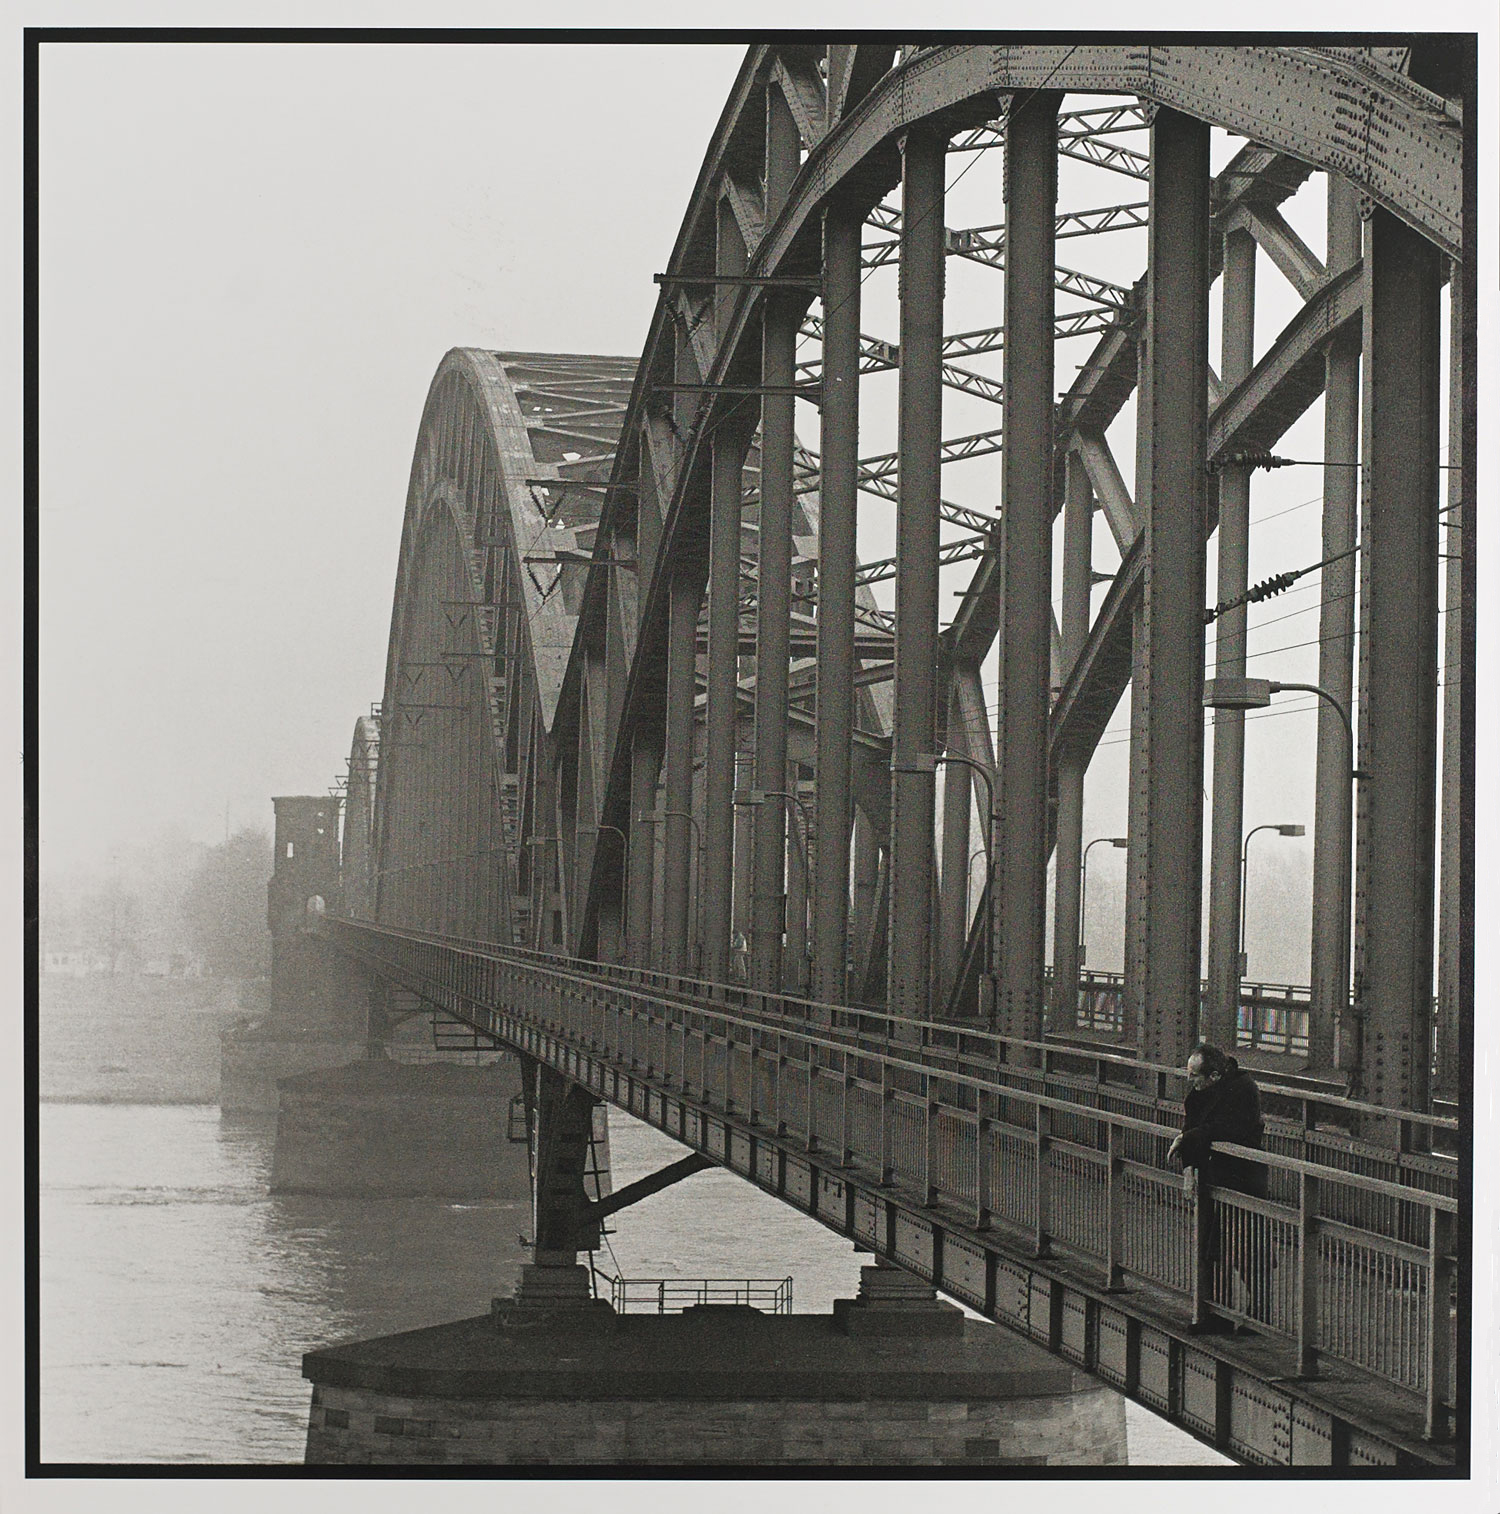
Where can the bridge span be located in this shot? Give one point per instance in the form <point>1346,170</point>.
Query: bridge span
<point>652,793</point>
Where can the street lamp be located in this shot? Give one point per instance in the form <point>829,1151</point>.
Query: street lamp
<point>1281,830</point>
<point>1083,887</point>
<point>1255,694</point>
<point>655,817</point>
<point>928,763</point>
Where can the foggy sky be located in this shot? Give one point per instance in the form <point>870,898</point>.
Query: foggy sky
<point>252,261</point>
<point>253,258</point>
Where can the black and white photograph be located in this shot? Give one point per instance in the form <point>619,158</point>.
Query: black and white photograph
<point>752,756</point>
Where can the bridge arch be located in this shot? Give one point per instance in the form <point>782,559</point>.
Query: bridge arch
<point>812,141</point>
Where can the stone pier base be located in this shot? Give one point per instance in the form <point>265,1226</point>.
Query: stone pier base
<point>254,1058</point>
<point>552,1378</point>
<point>393,1129</point>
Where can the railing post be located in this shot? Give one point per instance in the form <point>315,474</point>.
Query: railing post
<point>1043,1185</point>
<point>930,1161</point>
<point>887,1111</point>
<point>1114,1209</point>
<point>754,1113</point>
<point>1309,1300</point>
<point>1203,1217</point>
<point>984,1198</point>
<point>1439,1342</point>
<point>811,1143</point>
<point>780,1074</point>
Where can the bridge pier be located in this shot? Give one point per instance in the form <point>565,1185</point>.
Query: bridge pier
<point>554,1377</point>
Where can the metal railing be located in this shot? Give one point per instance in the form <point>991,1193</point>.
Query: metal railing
<point>654,1295</point>
<point>994,1144</point>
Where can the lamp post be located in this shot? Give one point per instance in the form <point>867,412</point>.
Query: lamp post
<point>1083,888</point>
<point>1281,830</point>
<point>753,797</point>
<point>929,764</point>
<point>1253,694</point>
<point>655,817</point>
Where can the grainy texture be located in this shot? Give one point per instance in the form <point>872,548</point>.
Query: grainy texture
<point>712,1386</point>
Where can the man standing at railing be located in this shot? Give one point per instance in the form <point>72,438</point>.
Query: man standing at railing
<point>1223,1104</point>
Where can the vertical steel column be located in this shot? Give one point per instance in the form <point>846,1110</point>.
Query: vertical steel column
<point>645,766</point>
<point>1394,835</point>
<point>685,597</point>
<point>1019,889</point>
<point>837,560</point>
<point>920,435</point>
<point>1455,542</point>
<point>717,886</point>
<point>1221,1008</point>
<point>1077,587</point>
<point>780,319</point>
<point>1333,815</point>
<point>1166,828</point>
<point>953,893</point>
<point>744,881</point>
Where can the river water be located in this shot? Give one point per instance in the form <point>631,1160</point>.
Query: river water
<point>178,1295</point>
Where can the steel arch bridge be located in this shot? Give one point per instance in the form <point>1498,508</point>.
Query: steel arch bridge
<point>653,791</point>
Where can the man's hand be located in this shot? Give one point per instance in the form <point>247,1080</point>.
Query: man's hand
<point>1174,1148</point>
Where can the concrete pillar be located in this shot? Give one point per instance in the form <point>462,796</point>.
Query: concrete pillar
<point>645,767</point>
<point>1166,826</point>
<point>1395,822</point>
<point>1077,589</point>
<point>717,887</point>
<point>1221,1007</point>
<point>913,778</point>
<point>1333,816</point>
<point>837,560</point>
<point>1020,868</point>
<point>780,320</point>
<point>682,656</point>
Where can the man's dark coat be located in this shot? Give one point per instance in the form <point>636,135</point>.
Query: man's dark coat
<point>1227,1110</point>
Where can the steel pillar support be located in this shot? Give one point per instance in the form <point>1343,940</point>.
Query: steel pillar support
<point>920,435</point>
<point>645,768</point>
<point>1455,543</point>
<point>1395,822</point>
<point>686,595</point>
<point>716,889</point>
<point>953,894</point>
<point>780,321</point>
<point>1221,1006</point>
<point>1333,815</point>
<point>837,561</point>
<point>1166,826</point>
<point>562,1125</point>
<point>1077,588</point>
<point>1019,890</point>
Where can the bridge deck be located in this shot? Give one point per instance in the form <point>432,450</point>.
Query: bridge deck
<point>1017,1193</point>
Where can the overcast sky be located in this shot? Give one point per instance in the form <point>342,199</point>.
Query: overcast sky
<point>253,258</point>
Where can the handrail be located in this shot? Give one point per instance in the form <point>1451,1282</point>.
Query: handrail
<point>673,984</point>
<point>825,1040</point>
<point>1375,1258</point>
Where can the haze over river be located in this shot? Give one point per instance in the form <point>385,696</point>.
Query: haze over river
<point>177,1295</point>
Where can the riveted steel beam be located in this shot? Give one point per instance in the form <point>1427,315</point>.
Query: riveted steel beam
<point>1164,861</point>
<point>1021,842</point>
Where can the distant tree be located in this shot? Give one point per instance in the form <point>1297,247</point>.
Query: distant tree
<point>111,922</point>
<point>225,906</point>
